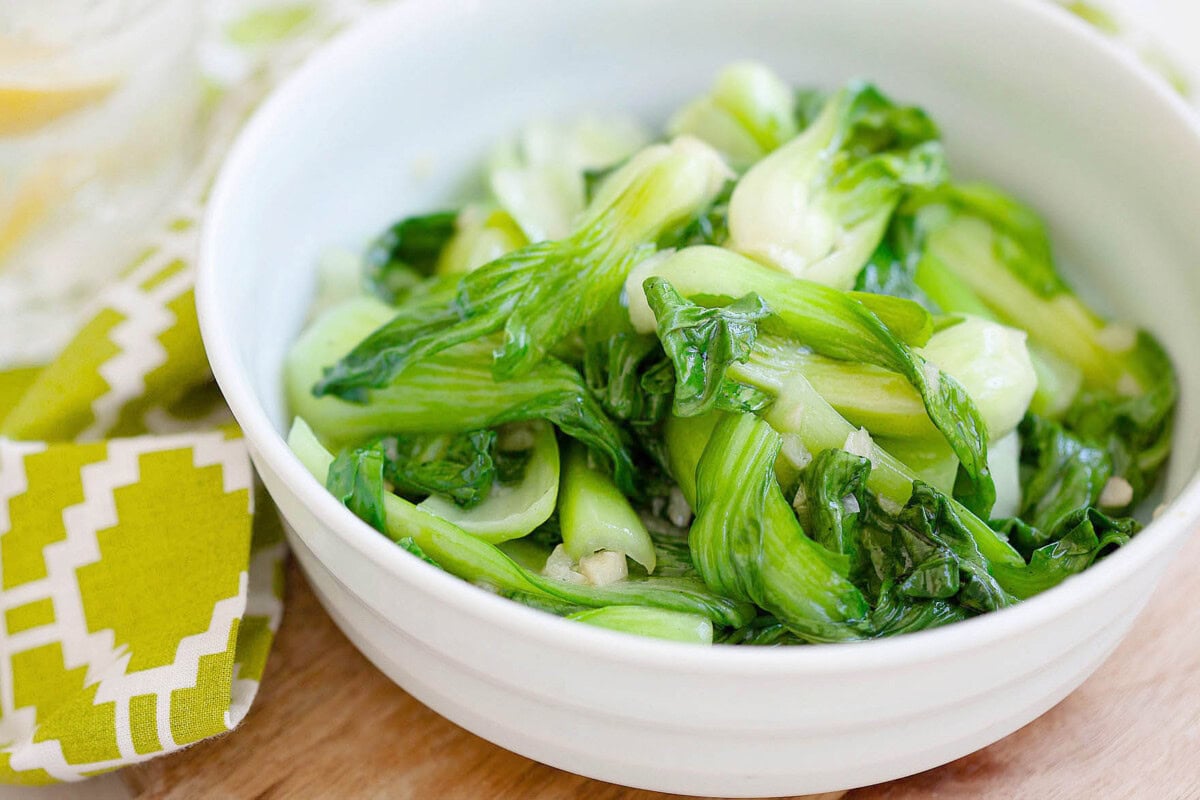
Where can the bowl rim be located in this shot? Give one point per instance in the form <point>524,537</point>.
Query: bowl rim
<point>1168,528</point>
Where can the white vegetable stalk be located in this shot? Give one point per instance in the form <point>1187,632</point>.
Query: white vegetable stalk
<point>539,176</point>
<point>662,182</point>
<point>749,113</point>
<point>480,238</point>
<point>596,517</point>
<point>510,512</point>
<point>1004,457</point>
<point>774,217</point>
<point>992,363</point>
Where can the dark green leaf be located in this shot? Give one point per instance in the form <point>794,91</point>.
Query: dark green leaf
<point>888,274</point>
<point>931,520</point>
<point>477,561</point>
<point>416,401</point>
<point>845,172</point>
<point>1019,237</point>
<point>763,631</point>
<point>510,464</point>
<point>1060,474</point>
<point>457,466</point>
<point>1081,538</point>
<point>875,124</point>
<point>918,568</point>
<point>1134,430</point>
<point>355,478</point>
<point>710,226</point>
<point>702,343</point>
<point>485,298</point>
<point>834,491</point>
<point>626,371</point>
<point>407,252</point>
<point>537,295</point>
<point>838,325</point>
<point>897,613</point>
<point>747,544</point>
<point>407,543</point>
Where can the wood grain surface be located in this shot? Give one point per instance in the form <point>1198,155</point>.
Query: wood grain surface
<point>328,724</point>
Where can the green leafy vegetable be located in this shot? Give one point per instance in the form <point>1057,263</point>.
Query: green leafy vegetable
<point>938,540</point>
<point>416,402</point>
<point>747,544</point>
<point>407,252</point>
<point>1135,430</point>
<point>837,325</point>
<point>800,410</point>
<point>888,274</point>
<point>995,252</point>
<point>834,476</point>
<point>988,360</point>
<point>458,466</point>
<point>748,113</point>
<point>824,396</point>
<point>477,561</point>
<point>543,292</point>
<point>998,251</point>
<point>819,206</point>
<point>1060,474</point>
<point>864,572</point>
<point>707,227</point>
<point>626,370</point>
<point>653,622</point>
<point>701,343</point>
<point>355,478</point>
<point>923,553</point>
<point>594,515</point>
<point>523,493</point>
<point>1080,538</point>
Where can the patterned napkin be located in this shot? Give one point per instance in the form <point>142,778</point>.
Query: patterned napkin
<point>140,586</point>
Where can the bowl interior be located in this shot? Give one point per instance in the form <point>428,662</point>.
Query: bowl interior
<point>397,118</point>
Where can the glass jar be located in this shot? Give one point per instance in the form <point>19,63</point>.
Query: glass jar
<point>98,113</point>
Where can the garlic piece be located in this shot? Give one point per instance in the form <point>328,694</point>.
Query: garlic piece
<point>603,567</point>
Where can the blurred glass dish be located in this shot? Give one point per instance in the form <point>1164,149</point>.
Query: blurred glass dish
<point>98,106</point>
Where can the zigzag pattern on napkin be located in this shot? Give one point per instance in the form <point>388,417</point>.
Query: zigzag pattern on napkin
<point>93,630</point>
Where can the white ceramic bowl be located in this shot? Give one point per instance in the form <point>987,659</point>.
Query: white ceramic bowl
<point>395,115</point>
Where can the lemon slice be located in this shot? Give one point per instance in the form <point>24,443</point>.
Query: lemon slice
<point>23,110</point>
<point>32,200</point>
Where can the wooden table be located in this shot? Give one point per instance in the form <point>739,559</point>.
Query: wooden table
<point>328,724</point>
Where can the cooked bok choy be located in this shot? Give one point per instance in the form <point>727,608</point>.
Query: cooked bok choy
<point>775,379</point>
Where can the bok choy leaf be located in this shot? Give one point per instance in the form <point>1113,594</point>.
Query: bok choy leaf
<point>837,325</point>
<point>541,293</point>
<point>477,561</point>
<point>818,206</point>
<point>748,113</point>
<point>415,402</point>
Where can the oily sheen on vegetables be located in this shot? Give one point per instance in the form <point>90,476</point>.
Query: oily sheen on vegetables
<point>771,378</point>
